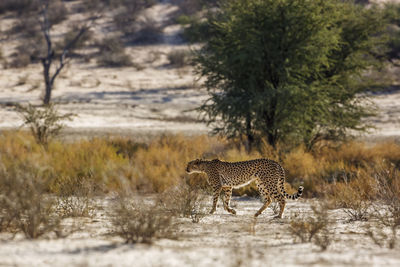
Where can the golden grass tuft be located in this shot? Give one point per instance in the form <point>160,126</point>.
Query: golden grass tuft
<point>163,162</point>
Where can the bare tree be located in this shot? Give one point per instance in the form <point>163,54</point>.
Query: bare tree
<point>50,57</point>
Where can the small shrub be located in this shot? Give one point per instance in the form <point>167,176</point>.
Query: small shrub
<point>23,198</point>
<point>138,223</point>
<point>110,59</point>
<point>18,61</point>
<point>197,31</point>
<point>57,12</point>
<point>179,58</point>
<point>186,199</point>
<point>127,15</point>
<point>355,197</point>
<point>74,197</point>
<point>148,32</point>
<point>16,5</point>
<point>386,212</point>
<point>184,20</point>
<point>45,123</point>
<point>313,229</point>
<point>28,52</point>
<point>74,206</point>
<point>359,211</point>
<point>112,54</point>
<point>384,228</point>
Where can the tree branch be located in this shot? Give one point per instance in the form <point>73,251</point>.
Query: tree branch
<point>66,50</point>
<point>45,26</point>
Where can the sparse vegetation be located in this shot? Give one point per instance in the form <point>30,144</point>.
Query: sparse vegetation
<point>186,199</point>
<point>148,32</point>
<point>74,197</point>
<point>127,14</point>
<point>355,196</point>
<point>44,123</point>
<point>345,174</point>
<point>24,205</point>
<point>140,223</point>
<point>35,25</point>
<point>179,58</point>
<point>386,212</point>
<point>51,182</point>
<point>314,228</point>
<point>112,53</point>
<point>122,164</point>
<point>16,5</point>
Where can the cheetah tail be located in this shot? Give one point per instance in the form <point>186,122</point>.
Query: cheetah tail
<point>295,195</point>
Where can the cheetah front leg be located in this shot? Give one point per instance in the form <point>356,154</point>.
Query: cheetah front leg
<point>282,203</point>
<point>227,199</point>
<point>216,193</point>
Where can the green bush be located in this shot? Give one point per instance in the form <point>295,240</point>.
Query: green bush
<point>288,71</point>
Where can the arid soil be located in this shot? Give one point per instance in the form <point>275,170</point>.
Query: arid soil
<point>218,239</point>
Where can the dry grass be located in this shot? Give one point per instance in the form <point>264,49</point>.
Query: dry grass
<point>355,196</point>
<point>139,222</point>
<point>313,229</point>
<point>346,175</point>
<point>75,197</point>
<point>179,58</point>
<point>187,199</point>
<point>24,205</point>
<point>65,164</point>
<point>163,162</point>
<point>388,214</point>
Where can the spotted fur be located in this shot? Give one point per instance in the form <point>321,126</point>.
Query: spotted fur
<point>224,176</point>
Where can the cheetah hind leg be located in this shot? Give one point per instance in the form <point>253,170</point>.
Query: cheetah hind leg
<point>267,201</point>
<point>282,204</point>
<point>227,199</point>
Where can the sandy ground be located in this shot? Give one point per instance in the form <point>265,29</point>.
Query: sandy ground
<point>219,239</point>
<point>153,99</point>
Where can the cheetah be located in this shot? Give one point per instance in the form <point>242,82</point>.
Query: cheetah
<point>224,176</point>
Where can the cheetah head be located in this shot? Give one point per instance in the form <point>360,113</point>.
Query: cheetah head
<point>195,166</point>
